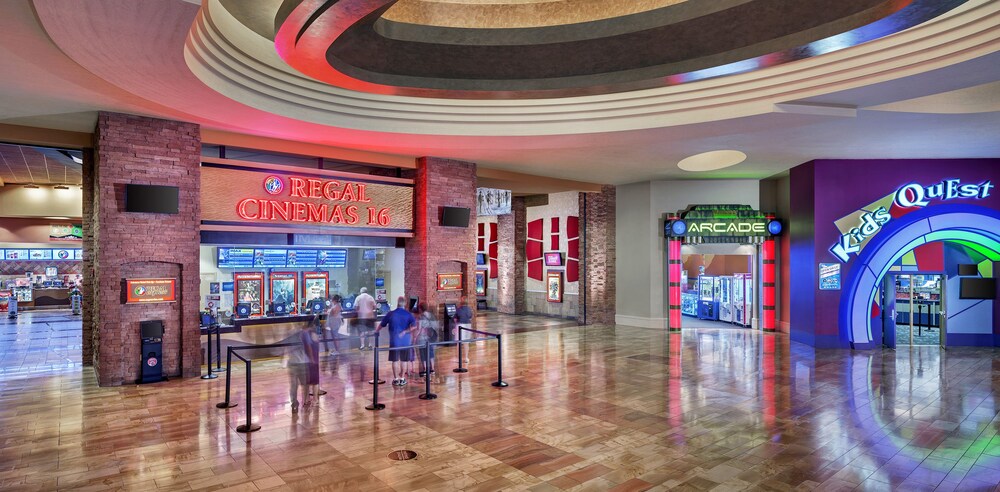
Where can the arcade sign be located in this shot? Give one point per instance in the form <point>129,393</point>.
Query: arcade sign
<point>722,221</point>
<point>150,290</point>
<point>365,204</point>
<point>908,196</point>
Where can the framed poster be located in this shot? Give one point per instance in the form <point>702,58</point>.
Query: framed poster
<point>554,286</point>
<point>214,287</point>
<point>250,289</point>
<point>480,283</point>
<point>150,290</point>
<point>829,276</point>
<point>449,281</point>
<point>315,285</point>
<point>284,289</point>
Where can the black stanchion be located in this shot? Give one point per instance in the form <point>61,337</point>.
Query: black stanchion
<point>375,353</point>
<point>427,374</point>
<point>499,383</point>
<point>460,368</point>
<point>218,350</point>
<point>229,373</point>
<point>208,359</point>
<point>249,426</point>
<point>375,404</point>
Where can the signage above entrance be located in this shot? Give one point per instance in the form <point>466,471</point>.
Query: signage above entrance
<point>337,203</point>
<point>913,195</point>
<point>722,224</point>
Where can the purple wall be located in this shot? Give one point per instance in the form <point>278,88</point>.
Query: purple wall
<point>822,192</point>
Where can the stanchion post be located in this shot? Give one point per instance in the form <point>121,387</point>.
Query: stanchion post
<point>218,349</point>
<point>375,404</point>
<point>229,373</point>
<point>375,381</point>
<point>499,383</point>
<point>460,359</point>
<point>427,374</point>
<point>249,426</point>
<point>208,360</point>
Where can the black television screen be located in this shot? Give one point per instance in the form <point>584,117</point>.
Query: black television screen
<point>151,329</point>
<point>151,199</point>
<point>414,301</point>
<point>480,258</point>
<point>317,306</point>
<point>968,270</point>
<point>978,288</point>
<point>455,217</point>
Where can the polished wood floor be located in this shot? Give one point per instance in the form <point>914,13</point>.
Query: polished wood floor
<point>588,408</point>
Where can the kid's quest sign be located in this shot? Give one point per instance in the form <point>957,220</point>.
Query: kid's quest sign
<point>345,203</point>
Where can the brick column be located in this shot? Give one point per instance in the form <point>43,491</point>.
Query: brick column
<point>512,231</point>
<point>434,248</point>
<point>597,265</point>
<point>139,150</point>
<point>89,248</point>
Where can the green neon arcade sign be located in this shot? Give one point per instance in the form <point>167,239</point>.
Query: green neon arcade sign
<point>722,221</point>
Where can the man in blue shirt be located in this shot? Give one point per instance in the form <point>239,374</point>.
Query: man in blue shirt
<point>401,324</point>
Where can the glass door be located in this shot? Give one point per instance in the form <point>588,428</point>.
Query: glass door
<point>919,309</point>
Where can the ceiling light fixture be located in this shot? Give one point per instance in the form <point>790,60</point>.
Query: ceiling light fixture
<point>31,186</point>
<point>61,187</point>
<point>710,161</point>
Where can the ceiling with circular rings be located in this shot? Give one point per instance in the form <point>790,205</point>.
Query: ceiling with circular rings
<point>530,49</point>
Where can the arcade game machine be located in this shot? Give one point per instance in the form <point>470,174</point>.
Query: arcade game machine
<point>725,285</point>
<point>747,299</point>
<point>708,304</point>
<point>689,297</point>
<point>739,311</point>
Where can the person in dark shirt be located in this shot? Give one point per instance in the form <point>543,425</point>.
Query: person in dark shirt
<point>463,319</point>
<point>401,325</point>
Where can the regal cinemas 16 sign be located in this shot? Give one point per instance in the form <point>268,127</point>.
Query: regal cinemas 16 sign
<point>236,196</point>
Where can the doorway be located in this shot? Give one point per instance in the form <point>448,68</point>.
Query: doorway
<point>915,310</point>
<point>717,285</point>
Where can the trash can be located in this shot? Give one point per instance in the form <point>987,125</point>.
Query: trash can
<point>151,333</point>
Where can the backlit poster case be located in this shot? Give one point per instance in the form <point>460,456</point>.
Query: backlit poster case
<point>284,288</point>
<point>62,254</point>
<point>40,254</point>
<point>315,285</point>
<point>250,289</point>
<point>829,276</point>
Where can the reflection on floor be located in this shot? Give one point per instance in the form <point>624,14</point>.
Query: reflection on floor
<point>691,322</point>
<point>38,342</point>
<point>588,408</point>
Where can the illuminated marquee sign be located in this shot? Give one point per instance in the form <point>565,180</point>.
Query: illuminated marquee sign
<point>908,196</point>
<point>722,223</point>
<point>272,199</point>
<point>150,290</point>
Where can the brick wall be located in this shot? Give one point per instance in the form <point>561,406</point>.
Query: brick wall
<point>89,277</point>
<point>436,249</point>
<point>597,270</point>
<point>512,232</point>
<point>139,150</point>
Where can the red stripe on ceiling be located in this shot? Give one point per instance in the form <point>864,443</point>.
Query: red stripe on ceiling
<point>930,257</point>
<point>535,269</point>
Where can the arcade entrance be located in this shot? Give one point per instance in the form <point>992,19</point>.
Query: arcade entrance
<point>721,267</point>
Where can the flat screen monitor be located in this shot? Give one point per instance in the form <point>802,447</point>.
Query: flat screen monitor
<point>968,270</point>
<point>553,259</point>
<point>414,301</point>
<point>978,288</point>
<point>450,310</point>
<point>243,310</point>
<point>151,199</point>
<point>279,308</point>
<point>317,306</point>
<point>151,329</point>
<point>207,319</point>
<point>454,217</point>
<point>480,258</point>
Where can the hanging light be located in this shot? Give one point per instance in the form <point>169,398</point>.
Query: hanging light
<point>61,187</point>
<point>31,186</point>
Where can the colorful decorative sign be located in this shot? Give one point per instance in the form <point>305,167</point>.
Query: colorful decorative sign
<point>360,203</point>
<point>65,232</point>
<point>870,219</point>
<point>829,276</point>
<point>721,223</point>
<point>150,290</point>
<point>554,287</point>
<point>449,281</point>
<point>480,283</point>
<point>553,259</point>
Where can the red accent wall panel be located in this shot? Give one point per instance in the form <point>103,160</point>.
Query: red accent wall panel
<point>535,229</point>
<point>481,244</point>
<point>493,251</point>
<point>533,250</point>
<point>572,226</point>
<point>494,273</point>
<point>482,229</point>
<point>573,249</point>
<point>493,232</point>
<point>930,257</point>
<point>535,269</point>
<point>572,270</point>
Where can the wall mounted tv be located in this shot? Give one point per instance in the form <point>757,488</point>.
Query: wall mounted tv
<point>968,270</point>
<point>978,288</point>
<point>454,217</point>
<point>153,199</point>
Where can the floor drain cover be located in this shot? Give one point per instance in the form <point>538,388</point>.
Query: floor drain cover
<point>402,455</point>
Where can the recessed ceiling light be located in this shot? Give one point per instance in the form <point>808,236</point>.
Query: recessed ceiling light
<point>710,161</point>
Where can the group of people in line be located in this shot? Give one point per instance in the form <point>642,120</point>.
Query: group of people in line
<point>404,328</point>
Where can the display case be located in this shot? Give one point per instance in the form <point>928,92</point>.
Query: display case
<point>689,303</point>
<point>747,299</point>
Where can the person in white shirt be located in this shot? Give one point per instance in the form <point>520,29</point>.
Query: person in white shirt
<point>364,304</point>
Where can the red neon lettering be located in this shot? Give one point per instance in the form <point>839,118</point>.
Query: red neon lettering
<point>362,196</point>
<point>348,195</point>
<point>300,212</point>
<point>352,214</point>
<point>315,188</point>
<point>317,213</point>
<point>372,216</point>
<point>283,209</point>
<point>298,186</point>
<point>330,191</point>
<point>241,209</point>
<point>337,215</point>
